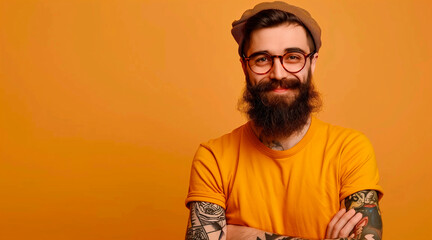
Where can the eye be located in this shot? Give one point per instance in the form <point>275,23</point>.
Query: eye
<point>293,57</point>
<point>261,59</point>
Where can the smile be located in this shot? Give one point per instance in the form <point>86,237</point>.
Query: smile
<point>281,90</point>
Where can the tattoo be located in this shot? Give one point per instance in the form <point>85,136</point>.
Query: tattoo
<point>276,237</point>
<point>272,236</point>
<point>366,202</point>
<point>206,219</point>
<point>273,144</point>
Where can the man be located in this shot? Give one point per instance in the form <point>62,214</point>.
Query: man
<point>284,174</point>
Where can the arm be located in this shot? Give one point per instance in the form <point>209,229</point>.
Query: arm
<point>343,226</point>
<point>358,168</point>
<point>366,203</point>
<point>246,233</point>
<point>362,221</point>
<point>241,232</point>
<point>206,222</point>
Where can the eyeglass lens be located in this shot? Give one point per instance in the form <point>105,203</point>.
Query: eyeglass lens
<point>262,63</point>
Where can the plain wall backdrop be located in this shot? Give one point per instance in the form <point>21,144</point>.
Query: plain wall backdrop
<point>103,104</point>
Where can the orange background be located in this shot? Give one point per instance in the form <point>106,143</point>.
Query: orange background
<point>103,104</point>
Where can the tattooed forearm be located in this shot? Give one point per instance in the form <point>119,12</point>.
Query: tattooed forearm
<point>206,221</point>
<point>275,237</point>
<point>366,202</point>
<point>279,237</point>
<point>236,232</point>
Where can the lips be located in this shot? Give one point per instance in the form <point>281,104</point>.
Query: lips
<point>283,86</point>
<point>279,90</point>
<point>278,86</point>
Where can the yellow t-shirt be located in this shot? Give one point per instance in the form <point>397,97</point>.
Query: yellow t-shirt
<point>295,192</point>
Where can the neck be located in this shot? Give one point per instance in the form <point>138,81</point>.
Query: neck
<point>282,143</point>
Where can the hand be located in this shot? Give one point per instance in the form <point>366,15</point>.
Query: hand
<point>343,223</point>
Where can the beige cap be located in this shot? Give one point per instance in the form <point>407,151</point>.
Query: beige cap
<point>238,30</point>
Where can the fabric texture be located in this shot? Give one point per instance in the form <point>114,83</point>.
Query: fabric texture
<point>294,192</point>
<point>238,26</point>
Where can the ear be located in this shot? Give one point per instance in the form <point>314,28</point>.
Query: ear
<point>243,63</point>
<point>313,62</point>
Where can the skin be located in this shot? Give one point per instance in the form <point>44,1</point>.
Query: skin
<point>275,41</point>
<point>343,223</point>
<point>207,221</point>
<point>363,218</point>
<point>366,203</point>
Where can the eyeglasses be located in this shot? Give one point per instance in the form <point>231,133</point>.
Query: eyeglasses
<point>261,63</point>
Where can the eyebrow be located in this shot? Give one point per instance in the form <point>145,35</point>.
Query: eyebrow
<point>293,49</point>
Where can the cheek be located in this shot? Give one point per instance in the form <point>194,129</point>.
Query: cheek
<point>304,78</point>
<point>304,74</point>
<point>257,80</point>
<point>254,79</point>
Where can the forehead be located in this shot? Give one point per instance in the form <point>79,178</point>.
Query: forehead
<point>276,39</point>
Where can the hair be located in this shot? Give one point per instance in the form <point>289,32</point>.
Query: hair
<point>278,116</point>
<point>272,18</point>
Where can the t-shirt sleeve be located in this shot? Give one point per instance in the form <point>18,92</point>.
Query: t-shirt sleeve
<point>205,180</point>
<point>358,167</point>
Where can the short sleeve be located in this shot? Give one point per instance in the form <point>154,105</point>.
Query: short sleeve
<point>358,167</point>
<point>205,180</point>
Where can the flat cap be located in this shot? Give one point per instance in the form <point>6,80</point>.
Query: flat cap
<point>238,26</point>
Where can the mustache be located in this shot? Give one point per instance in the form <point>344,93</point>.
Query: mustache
<point>265,86</point>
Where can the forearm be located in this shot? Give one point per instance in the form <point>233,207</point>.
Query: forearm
<point>235,232</point>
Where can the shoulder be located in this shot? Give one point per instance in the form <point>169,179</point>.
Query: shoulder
<point>227,141</point>
<point>342,136</point>
<point>355,152</point>
<point>215,159</point>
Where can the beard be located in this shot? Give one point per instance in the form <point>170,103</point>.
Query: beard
<point>280,115</point>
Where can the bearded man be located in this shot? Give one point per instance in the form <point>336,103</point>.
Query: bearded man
<point>284,174</point>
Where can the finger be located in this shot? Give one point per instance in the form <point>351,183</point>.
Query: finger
<point>341,223</point>
<point>334,220</point>
<point>347,229</point>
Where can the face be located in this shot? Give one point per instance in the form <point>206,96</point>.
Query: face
<point>280,102</point>
<point>277,41</point>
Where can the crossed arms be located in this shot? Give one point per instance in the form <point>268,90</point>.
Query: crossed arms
<point>360,220</point>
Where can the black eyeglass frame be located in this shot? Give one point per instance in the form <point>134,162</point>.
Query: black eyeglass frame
<point>306,56</point>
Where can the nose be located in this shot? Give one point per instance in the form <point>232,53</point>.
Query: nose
<point>277,72</point>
